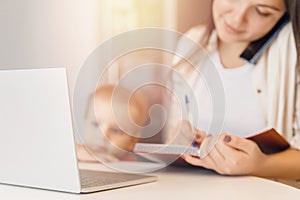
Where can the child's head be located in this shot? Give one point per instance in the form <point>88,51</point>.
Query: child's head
<point>120,115</point>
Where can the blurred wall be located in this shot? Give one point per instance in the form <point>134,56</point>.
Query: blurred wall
<point>52,33</point>
<point>192,12</point>
<point>62,33</point>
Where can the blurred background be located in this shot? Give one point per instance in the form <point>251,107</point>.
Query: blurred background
<point>62,33</point>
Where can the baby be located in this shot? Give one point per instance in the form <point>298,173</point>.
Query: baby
<point>114,120</point>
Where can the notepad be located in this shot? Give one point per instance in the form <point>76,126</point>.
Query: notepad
<point>165,149</point>
<point>174,149</point>
<point>269,141</point>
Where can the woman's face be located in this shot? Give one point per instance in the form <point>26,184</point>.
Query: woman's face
<point>244,21</point>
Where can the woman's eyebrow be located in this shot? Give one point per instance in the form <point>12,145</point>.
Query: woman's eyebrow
<point>269,6</point>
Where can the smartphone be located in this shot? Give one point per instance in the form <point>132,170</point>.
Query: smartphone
<point>256,48</point>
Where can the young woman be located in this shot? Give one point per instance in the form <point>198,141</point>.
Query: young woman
<point>257,95</point>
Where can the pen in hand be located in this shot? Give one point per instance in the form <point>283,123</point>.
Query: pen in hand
<point>190,118</point>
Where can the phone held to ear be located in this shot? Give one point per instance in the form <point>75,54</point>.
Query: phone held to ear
<point>256,48</point>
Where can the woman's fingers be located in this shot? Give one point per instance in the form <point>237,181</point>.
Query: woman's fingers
<point>207,162</point>
<point>238,143</point>
<point>217,154</point>
<point>187,134</point>
<point>199,136</point>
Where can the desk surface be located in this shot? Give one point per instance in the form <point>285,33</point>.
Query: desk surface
<point>173,183</point>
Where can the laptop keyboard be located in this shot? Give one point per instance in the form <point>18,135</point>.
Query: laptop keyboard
<point>97,178</point>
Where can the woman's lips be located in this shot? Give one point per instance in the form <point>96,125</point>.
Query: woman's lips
<point>231,30</point>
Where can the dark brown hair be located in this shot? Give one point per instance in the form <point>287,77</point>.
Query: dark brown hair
<point>293,9</point>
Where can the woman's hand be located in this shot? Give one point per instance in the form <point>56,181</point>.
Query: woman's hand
<point>232,155</point>
<point>185,134</point>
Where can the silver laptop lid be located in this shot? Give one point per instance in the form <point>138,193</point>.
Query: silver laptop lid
<point>37,142</point>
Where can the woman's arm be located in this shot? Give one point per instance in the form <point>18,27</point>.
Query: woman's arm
<point>283,165</point>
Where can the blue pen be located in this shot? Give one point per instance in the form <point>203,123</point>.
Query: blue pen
<point>190,117</point>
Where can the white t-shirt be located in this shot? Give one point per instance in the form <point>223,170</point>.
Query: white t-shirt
<point>243,113</point>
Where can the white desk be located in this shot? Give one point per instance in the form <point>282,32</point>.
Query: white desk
<point>173,183</point>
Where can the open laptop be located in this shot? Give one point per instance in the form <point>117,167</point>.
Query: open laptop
<point>37,147</point>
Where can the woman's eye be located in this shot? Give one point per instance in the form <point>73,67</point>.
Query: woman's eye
<point>116,131</point>
<point>95,124</point>
<point>262,13</point>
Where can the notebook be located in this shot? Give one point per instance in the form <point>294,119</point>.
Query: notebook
<point>37,147</point>
<point>269,141</point>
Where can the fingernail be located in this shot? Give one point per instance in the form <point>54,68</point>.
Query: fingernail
<point>198,137</point>
<point>195,144</point>
<point>227,138</point>
<point>183,156</point>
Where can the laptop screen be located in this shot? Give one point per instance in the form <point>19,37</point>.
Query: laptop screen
<point>37,142</point>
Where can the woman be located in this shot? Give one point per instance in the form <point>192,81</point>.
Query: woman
<point>272,81</point>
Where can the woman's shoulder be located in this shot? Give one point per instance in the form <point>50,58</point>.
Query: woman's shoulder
<point>199,34</point>
<point>283,47</point>
<point>285,38</point>
<point>287,30</point>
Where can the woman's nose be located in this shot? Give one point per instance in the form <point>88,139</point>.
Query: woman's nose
<point>238,16</point>
<point>105,131</point>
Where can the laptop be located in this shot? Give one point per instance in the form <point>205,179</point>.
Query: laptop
<point>37,146</point>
